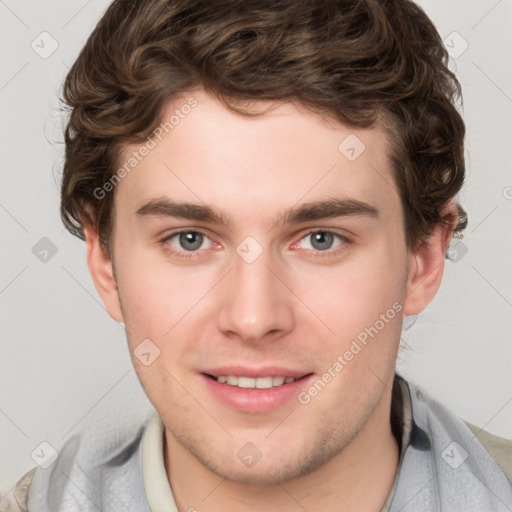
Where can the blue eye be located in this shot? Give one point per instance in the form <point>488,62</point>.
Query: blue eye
<point>321,240</point>
<point>191,241</point>
<point>188,244</point>
<point>188,241</point>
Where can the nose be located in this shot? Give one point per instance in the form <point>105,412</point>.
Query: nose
<point>254,303</point>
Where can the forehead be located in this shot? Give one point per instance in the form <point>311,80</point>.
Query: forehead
<point>204,152</point>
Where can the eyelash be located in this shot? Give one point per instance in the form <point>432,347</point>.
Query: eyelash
<point>329,253</point>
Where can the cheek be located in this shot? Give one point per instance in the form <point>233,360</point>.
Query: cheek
<point>144,293</point>
<point>353,295</point>
<point>361,303</point>
<point>158,299</point>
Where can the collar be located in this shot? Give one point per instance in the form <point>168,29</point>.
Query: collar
<point>154,475</point>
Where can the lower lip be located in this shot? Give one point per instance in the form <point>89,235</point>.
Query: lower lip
<point>255,400</point>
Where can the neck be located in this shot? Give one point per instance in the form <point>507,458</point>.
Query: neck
<point>360,477</point>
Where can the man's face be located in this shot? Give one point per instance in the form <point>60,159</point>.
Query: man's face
<point>268,290</point>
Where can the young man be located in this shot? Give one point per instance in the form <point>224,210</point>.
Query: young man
<point>265,190</point>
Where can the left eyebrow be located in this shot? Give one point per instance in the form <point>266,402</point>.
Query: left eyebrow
<point>328,209</point>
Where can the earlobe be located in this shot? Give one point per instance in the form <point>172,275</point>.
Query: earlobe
<point>427,264</point>
<point>101,269</point>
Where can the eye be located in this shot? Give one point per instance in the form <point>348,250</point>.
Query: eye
<point>189,241</point>
<point>321,241</point>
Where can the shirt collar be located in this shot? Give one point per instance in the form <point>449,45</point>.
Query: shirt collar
<point>401,425</point>
<point>154,475</point>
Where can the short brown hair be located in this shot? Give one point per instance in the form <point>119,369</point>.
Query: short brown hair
<point>359,61</point>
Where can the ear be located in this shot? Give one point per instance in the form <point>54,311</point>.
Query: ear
<point>101,269</point>
<point>427,263</point>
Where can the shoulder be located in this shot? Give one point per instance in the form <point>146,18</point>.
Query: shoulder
<point>445,427</point>
<point>97,461</point>
<point>491,455</point>
<point>16,499</point>
<point>499,448</point>
<point>456,467</point>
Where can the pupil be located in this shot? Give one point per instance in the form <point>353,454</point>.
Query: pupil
<point>191,241</point>
<point>322,241</point>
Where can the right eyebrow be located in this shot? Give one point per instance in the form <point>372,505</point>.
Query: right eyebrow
<point>189,211</point>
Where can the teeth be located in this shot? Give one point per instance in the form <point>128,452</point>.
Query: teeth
<point>278,381</point>
<point>254,383</point>
<point>246,382</point>
<point>232,381</point>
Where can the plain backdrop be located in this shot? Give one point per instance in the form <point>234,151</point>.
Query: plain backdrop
<point>64,363</point>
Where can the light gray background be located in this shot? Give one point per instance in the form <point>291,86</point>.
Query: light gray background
<point>64,362</point>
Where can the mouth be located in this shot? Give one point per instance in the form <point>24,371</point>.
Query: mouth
<point>255,391</point>
<point>253,382</point>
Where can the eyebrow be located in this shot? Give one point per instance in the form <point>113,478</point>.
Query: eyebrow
<point>318,210</point>
<point>328,209</point>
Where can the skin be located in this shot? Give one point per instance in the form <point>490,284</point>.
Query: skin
<point>294,306</point>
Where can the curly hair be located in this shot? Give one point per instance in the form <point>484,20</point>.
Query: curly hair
<point>360,61</point>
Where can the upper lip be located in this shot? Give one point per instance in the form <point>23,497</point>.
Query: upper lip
<point>264,371</point>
